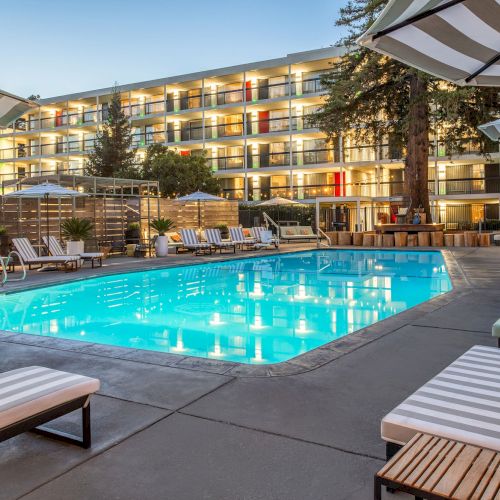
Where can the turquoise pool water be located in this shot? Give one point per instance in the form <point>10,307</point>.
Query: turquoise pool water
<point>258,310</point>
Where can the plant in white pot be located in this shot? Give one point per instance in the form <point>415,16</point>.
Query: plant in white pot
<point>162,226</point>
<point>76,231</point>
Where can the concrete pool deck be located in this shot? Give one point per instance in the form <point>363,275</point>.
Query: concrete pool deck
<point>167,431</point>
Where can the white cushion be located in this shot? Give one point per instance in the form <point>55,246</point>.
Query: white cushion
<point>460,403</point>
<point>27,391</point>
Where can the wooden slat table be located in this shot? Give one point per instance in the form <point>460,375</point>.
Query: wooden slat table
<point>408,228</point>
<point>436,468</point>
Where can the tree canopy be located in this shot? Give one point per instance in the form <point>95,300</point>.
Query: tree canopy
<point>380,100</point>
<point>178,174</point>
<point>113,155</point>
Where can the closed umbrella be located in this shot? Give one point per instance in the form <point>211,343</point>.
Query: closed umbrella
<point>200,196</point>
<point>491,129</point>
<point>456,40</point>
<point>45,191</point>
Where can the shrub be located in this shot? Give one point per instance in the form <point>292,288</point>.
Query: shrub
<point>75,229</point>
<point>162,225</point>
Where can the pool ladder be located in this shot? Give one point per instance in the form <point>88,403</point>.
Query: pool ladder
<point>4,264</point>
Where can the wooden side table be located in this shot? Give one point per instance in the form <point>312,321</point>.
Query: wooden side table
<point>436,468</point>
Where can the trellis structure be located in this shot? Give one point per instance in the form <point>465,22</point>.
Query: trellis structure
<point>111,205</point>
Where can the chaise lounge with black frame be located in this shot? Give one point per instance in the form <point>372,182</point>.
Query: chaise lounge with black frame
<point>34,395</point>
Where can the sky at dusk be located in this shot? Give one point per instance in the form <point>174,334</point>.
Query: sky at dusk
<point>53,47</point>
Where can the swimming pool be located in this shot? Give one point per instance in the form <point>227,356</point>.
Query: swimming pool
<point>257,310</point>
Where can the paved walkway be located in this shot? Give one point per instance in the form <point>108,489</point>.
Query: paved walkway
<point>165,432</point>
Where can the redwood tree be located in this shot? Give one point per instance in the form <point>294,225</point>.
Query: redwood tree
<point>378,99</point>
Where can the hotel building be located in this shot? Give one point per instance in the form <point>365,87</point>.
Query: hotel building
<point>252,121</point>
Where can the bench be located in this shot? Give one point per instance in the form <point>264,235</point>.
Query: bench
<point>434,467</point>
<point>461,403</point>
<point>34,395</point>
<point>297,233</point>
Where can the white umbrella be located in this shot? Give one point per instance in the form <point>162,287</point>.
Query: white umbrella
<point>46,191</point>
<point>277,201</point>
<point>200,196</point>
<point>456,40</point>
<point>13,107</point>
<point>491,129</point>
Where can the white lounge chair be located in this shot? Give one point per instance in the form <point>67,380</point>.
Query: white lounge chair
<point>34,395</point>
<point>213,237</point>
<point>238,238</point>
<point>191,242</point>
<point>263,235</point>
<point>460,403</point>
<point>55,249</point>
<point>30,257</point>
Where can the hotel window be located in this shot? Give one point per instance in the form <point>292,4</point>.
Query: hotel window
<point>74,143</point>
<point>194,98</point>
<point>310,82</point>
<point>88,141</point>
<point>230,93</point>
<point>154,133</point>
<point>278,87</point>
<point>234,157</point>
<point>278,120</point>
<point>231,125</point>
<point>279,154</point>
<point>316,151</point>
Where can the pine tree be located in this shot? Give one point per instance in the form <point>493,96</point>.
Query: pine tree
<point>113,155</point>
<point>378,99</point>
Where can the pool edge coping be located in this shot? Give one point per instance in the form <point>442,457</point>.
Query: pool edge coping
<point>308,361</point>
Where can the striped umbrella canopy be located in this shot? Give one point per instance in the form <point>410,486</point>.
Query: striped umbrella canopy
<point>12,107</point>
<point>456,40</point>
<point>491,129</point>
<point>200,196</point>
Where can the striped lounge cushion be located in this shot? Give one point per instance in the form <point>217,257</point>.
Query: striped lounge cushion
<point>34,389</point>
<point>460,403</point>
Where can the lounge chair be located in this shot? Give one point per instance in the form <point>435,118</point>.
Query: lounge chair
<point>35,395</point>
<point>213,237</point>
<point>55,249</point>
<point>263,235</point>
<point>239,239</point>
<point>190,241</point>
<point>29,256</point>
<point>461,403</point>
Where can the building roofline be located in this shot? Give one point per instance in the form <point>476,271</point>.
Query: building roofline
<point>294,58</point>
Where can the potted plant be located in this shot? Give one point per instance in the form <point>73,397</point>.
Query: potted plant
<point>133,233</point>
<point>4,241</point>
<point>224,231</point>
<point>76,231</point>
<point>162,226</point>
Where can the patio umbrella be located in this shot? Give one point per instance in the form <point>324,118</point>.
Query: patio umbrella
<point>456,40</point>
<point>277,201</point>
<point>491,129</point>
<point>200,196</point>
<point>13,107</point>
<point>45,191</point>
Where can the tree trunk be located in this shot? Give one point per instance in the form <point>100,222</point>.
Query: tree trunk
<point>416,164</point>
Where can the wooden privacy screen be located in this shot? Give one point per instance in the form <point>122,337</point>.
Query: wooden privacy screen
<point>110,214</point>
<point>185,214</point>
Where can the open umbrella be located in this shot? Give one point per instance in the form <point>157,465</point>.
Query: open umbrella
<point>491,129</point>
<point>45,191</point>
<point>13,107</point>
<point>200,196</point>
<point>277,201</point>
<point>456,40</point>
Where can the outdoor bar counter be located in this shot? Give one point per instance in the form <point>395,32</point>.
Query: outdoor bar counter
<point>408,228</point>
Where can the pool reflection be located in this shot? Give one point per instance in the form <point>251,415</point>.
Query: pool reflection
<point>261,310</point>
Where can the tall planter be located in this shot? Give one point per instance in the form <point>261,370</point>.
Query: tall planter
<point>161,246</point>
<point>75,247</point>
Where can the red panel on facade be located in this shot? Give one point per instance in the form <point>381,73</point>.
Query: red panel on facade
<point>248,86</point>
<point>263,122</point>
<point>58,118</point>
<point>184,153</point>
<point>338,189</point>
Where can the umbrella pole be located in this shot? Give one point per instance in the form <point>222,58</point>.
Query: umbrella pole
<point>199,215</point>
